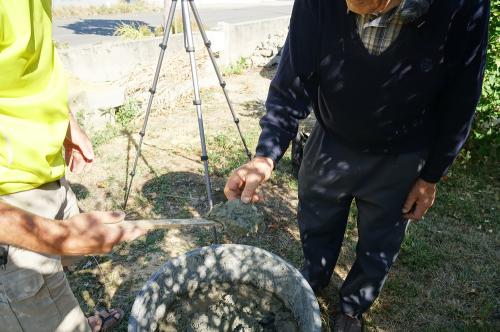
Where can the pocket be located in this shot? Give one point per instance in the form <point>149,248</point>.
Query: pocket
<point>30,300</point>
<point>22,284</point>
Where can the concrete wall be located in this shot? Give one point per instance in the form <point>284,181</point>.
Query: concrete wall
<point>240,40</point>
<point>57,3</point>
<point>211,2</point>
<point>112,60</point>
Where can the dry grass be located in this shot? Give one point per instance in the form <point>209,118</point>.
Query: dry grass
<point>446,278</point>
<point>120,8</point>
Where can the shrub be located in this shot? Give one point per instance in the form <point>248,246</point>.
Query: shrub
<point>485,138</point>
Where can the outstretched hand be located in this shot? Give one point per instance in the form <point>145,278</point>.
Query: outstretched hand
<point>96,233</point>
<point>244,181</point>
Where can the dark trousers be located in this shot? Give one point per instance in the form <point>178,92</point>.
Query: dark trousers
<point>330,177</point>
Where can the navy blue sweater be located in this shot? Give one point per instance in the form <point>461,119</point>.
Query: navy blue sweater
<point>421,93</point>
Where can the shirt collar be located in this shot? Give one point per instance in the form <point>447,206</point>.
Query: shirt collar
<point>383,20</point>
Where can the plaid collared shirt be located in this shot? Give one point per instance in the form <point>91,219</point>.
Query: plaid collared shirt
<point>377,32</point>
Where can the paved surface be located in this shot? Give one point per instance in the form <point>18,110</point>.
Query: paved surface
<point>92,30</point>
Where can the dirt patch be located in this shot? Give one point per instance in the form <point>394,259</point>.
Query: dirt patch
<point>239,219</point>
<point>225,307</point>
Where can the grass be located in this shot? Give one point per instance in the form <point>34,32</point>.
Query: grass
<point>131,31</point>
<point>124,116</point>
<point>120,8</point>
<point>237,68</point>
<point>139,31</point>
<point>445,279</point>
<point>447,276</point>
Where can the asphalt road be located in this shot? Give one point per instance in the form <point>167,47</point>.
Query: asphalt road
<point>91,30</point>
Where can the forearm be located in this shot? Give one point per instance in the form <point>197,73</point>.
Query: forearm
<point>461,93</point>
<point>28,231</point>
<point>293,91</point>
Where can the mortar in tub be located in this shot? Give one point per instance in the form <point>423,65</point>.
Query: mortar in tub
<point>248,279</point>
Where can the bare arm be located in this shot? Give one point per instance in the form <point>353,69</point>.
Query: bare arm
<point>86,233</point>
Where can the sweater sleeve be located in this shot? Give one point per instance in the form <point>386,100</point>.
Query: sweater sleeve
<point>466,58</point>
<point>293,89</point>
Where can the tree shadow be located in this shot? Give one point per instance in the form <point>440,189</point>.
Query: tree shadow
<point>102,27</point>
<point>178,194</point>
<point>254,108</point>
<point>81,192</point>
<point>94,283</point>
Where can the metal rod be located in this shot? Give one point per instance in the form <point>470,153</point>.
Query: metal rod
<point>152,91</point>
<point>186,20</point>
<point>169,223</point>
<point>222,83</point>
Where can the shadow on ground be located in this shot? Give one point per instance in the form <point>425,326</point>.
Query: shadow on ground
<point>102,27</point>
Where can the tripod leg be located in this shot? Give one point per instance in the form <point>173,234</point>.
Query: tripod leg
<point>188,38</point>
<point>222,83</point>
<point>163,46</point>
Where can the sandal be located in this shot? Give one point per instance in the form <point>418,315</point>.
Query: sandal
<point>109,319</point>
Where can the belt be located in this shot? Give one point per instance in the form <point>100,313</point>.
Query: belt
<point>4,253</point>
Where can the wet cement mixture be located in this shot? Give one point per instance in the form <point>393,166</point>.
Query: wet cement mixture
<point>239,219</point>
<point>241,308</point>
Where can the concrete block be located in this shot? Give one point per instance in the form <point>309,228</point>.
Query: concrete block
<point>241,39</point>
<point>92,103</point>
<point>113,60</point>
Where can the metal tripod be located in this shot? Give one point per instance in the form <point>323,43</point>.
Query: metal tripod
<point>189,45</point>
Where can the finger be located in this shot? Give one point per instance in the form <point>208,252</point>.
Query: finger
<point>233,187</point>
<point>68,154</point>
<point>78,163</point>
<point>132,233</point>
<point>410,202</point>
<point>88,166</point>
<point>107,217</point>
<point>256,198</point>
<point>420,210</point>
<point>252,182</point>
<point>410,216</point>
<point>87,150</point>
<point>69,159</point>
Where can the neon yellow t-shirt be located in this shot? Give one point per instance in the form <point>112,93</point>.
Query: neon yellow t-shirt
<point>33,97</point>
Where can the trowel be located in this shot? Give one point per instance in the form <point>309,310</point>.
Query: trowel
<point>151,224</point>
<point>235,217</point>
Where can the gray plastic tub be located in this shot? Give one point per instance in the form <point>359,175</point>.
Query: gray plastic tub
<point>219,264</point>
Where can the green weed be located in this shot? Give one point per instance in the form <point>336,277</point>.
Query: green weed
<point>126,113</point>
<point>236,68</point>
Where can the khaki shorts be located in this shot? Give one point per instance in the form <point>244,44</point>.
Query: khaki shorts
<point>34,292</point>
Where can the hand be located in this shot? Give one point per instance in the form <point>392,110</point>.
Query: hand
<point>95,233</point>
<point>244,181</point>
<point>420,199</point>
<point>78,151</point>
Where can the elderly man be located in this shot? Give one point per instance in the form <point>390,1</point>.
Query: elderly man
<point>34,125</point>
<point>394,85</point>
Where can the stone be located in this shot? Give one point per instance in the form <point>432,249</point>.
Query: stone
<point>239,219</point>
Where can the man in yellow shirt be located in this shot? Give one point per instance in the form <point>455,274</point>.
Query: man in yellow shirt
<point>35,124</point>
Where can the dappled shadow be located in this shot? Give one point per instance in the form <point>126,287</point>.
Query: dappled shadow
<point>179,194</point>
<point>81,192</point>
<point>269,70</point>
<point>254,108</point>
<point>102,27</point>
<point>195,272</point>
<point>95,279</point>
